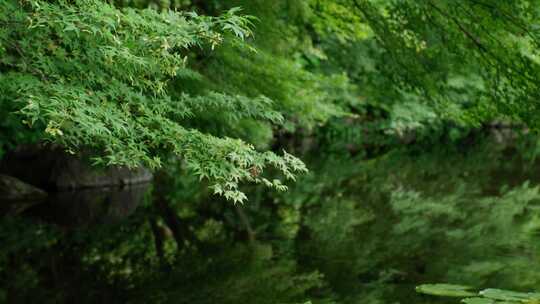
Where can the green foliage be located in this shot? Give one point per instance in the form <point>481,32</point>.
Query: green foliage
<point>428,43</point>
<point>383,99</point>
<point>137,85</point>
<point>88,75</point>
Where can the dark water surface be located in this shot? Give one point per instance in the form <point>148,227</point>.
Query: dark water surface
<point>351,231</point>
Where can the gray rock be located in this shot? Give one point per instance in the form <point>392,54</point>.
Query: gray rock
<point>77,175</point>
<point>50,167</point>
<point>13,189</point>
<point>90,207</point>
<point>17,196</point>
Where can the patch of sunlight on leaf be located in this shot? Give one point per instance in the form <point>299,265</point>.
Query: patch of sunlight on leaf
<point>448,290</point>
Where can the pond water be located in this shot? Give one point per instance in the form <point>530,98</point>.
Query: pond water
<point>354,231</point>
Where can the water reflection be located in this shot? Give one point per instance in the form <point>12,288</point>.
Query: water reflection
<point>352,231</point>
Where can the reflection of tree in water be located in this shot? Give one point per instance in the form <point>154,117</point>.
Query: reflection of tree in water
<point>362,230</point>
